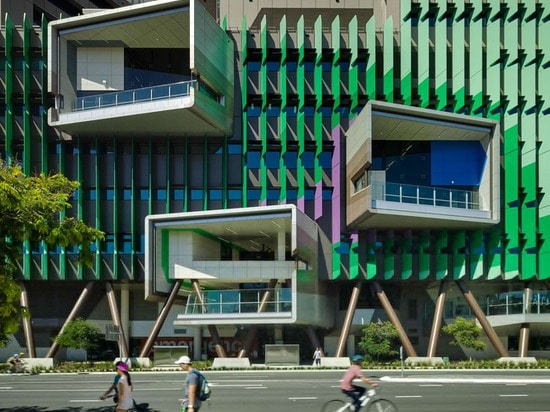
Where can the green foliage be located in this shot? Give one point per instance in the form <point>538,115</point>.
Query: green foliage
<point>80,334</point>
<point>379,340</point>
<point>465,333</point>
<point>32,208</point>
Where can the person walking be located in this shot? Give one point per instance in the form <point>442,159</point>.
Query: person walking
<point>113,387</point>
<point>124,389</point>
<point>355,392</point>
<point>191,402</point>
<point>317,355</point>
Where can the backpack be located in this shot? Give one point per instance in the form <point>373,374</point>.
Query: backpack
<point>204,387</point>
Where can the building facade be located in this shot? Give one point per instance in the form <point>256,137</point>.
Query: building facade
<point>274,173</point>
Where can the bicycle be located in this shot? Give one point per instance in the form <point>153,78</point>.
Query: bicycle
<point>369,403</point>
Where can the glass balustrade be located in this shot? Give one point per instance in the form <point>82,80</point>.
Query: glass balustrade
<point>124,97</point>
<point>240,301</point>
<point>425,195</point>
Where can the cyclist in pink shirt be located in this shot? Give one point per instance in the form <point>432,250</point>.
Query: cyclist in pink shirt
<point>354,391</point>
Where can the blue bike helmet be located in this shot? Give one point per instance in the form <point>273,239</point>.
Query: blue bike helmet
<point>357,358</point>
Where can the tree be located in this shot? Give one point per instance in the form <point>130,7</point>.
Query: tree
<point>31,209</point>
<point>379,340</point>
<point>79,334</point>
<point>465,333</point>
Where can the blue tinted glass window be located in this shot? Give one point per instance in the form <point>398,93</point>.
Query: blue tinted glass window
<point>309,194</point>
<point>273,111</point>
<point>254,194</point>
<point>273,66</point>
<point>291,160</point>
<point>308,160</point>
<point>109,194</point>
<point>234,194</point>
<point>325,160</point>
<point>127,194</point>
<point>253,66</point>
<point>327,194</point>
<point>215,194</point>
<point>178,194</point>
<point>292,194</point>
<point>144,194</point>
<point>161,194</point>
<point>196,194</point>
<point>253,160</point>
<point>254,111</point>
<point>291,66</point>
<point>272,194</point>
<point>234,149</point>
<point>272,160</point>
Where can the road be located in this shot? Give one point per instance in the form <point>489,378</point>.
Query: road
<point>293,390</point>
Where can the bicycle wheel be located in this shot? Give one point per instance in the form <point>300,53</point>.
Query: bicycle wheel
<point>335,405</point>
<point>381,405</point>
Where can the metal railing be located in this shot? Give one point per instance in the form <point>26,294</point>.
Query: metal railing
<point>125,97</point>
<point>237,301</point>
<point>425,195</point>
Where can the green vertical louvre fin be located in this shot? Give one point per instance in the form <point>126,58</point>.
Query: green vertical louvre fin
<point>441,71</point>
<point>263,65</point>
<point>335,84</point>
<point>494,253</point>
<point>167,167</point>
<point>370,74</point>
<point>165,253</point>
<point>528,133</point>
<point>283,115</point>
<point>282,164</point>
<point>133,202</point>
<point>26,95</point>
<point>283,41</point>
<point>225,190</point>
<point>389,257</point>
<point>336,196</point>
<point>244,106</point>
<point>458,244</point>
<point>406,53</point>
<point>406,257</point>
<point>441,244</point>
<point>44,167</point>
<point>318,73</point>
<point>27,256</point>
<point>476,76</point>
<point>388,61</point>
<point>476,251</point>
<point>371,255</point>
<point>9,80</point>
<point>318,116</point>
<point>543,163</point>
<point>263,163</point>
<point>458,65</point>
<point>117,206</point>
<point>424,54</point>
<point>354,260</point>
<point>97,208</point>
<point>511,145</point>
<point>300,173</point>
<point>300,117</point>
<point>204,175</point>
<point>494,69</point>
<point>424,258</point>
<point>353,75</point>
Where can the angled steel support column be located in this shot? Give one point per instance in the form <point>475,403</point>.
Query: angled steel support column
<point>251,334</point>
<point>523,340</point>
<point>438,316</point>
<point>347,320</point>
<point>83,296</point>
<point>489,331</point>
<point>116,320</point>
<point>220,351</point>
<point>27,324</point>
<point>394,319</point>
<point>160,319</point>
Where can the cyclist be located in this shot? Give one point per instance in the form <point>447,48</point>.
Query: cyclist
<point>15,363</point>
<point>355,392</point>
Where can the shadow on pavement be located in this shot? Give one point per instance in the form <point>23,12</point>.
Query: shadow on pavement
<point>142,407</point>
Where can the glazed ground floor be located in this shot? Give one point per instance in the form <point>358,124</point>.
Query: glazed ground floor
<point>515,318</point>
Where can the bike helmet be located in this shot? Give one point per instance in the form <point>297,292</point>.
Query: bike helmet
<point>357,358</point>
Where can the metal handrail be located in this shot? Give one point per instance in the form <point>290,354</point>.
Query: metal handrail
<point>133,96</point>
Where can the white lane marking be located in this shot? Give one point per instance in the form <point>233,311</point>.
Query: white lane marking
<point>6,387</point>
<point>464,380</point>
<point>409,396</point>
<point>516,384</point>
<point>301,398</point>
<point>255,387</point>
<point>512,396</point>
<point>239,385</point>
